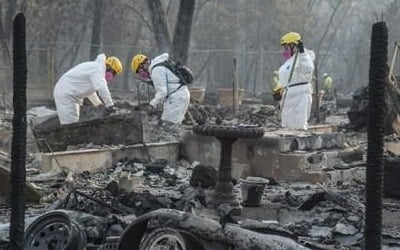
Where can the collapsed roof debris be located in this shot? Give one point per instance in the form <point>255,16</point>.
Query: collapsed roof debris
<point>314,216</point>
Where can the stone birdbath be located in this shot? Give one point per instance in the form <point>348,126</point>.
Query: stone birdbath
<point>227,135</point>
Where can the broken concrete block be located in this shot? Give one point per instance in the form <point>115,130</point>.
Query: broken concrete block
<point>345,229</point>
<point>393,147</point>
<point>129,182</point>
<point>289,141</point>
<point>32,195</point>
<point>391,176</point>
<point>204,176</point>
<point>351,155</point>
<point>320,232</point>
<point>5,139</point>
<point>95,159</point>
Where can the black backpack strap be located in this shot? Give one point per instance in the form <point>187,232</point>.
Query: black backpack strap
<point>168,66</point>
<point>160,64</point>
<point>167,96</point>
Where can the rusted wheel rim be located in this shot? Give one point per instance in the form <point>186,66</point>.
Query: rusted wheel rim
<point>53,236</point>
<point>163,238</point>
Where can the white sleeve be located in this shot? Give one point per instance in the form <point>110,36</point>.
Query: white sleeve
<point>305,62</point>
<point>304,69</point>
<point>95,100</point>
<point>158,75</point>
<point>100,85</point>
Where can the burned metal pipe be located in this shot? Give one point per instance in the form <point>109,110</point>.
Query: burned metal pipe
<point>376,115</point>
<point>18,147</point>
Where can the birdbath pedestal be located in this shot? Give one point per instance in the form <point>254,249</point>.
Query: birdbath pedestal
<point>227,135</point>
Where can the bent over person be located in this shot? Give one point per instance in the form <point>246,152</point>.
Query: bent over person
<point>88,79</point>
<point>295,76</point>
<point>171,94</point>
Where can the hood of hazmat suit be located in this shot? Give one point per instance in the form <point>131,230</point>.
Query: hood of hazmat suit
<point>174,96</point>
<point>84,80</point>
<point>297,97</point>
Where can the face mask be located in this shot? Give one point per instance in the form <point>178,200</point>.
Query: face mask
<point>109,77</point>
<point>287,53</point>
<point>144,74</point>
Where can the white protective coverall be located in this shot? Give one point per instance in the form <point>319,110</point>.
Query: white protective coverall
<point>169,92</point>
<point>80,82</point>
<point>297,100</point>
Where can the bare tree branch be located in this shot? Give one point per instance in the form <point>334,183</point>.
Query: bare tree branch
<point>328,25</point>
<point>202,67</point>
<point>78,42</point>
<point>146,22</point>
<point>183,27</point>
<point>96,28</point>
<point>160,25</point>
<point>198,9</point>
<point>127,73</point>
<point>78,38</point>
<point>322,62</point>
<point>11,10</point>
<point>169,5</point>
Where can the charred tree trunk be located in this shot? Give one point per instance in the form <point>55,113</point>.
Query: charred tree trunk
<point>160,25</point>
<point>183,27</point>
<point>96,29</point>
<point>179,47</point>
<point>374,175</point>
<point>18,148</point>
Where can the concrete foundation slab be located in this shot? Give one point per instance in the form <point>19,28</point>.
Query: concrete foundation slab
<point>391,177</point>
<point>96,159</point>
<point>289,140</point>
<point>337,177</point>
<point>322,128</point>
<point>282,155</point>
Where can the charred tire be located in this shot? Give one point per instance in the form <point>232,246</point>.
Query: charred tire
<point>161,238</point>
<point>56,231</point>
<point>229,131</point>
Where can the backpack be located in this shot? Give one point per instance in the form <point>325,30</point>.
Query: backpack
<point>183,72</point>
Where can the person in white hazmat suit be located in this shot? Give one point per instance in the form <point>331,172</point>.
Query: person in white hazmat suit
<point>295,76</point>
<point>85,80</point>
<point>173,96</point>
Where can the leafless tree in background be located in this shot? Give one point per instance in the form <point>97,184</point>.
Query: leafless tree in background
<point>6,19</point>
<point>64,33</point>
<point>96,28</point>
<point>179,47</point>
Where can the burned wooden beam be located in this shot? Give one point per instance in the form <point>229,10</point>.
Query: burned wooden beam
<point>115,129</point>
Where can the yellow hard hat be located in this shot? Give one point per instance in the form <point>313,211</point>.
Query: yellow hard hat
<point>115,64</point>
<point>137,60</point>
<point>291,37</point>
